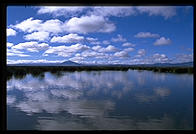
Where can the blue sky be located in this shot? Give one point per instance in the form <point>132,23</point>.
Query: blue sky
<point>100,35</point>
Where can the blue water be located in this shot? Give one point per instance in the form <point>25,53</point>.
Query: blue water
<point>101,100</point>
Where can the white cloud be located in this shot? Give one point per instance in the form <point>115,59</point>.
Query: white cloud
<point>31,25</point>
<point>127,44</point>
<point>32,61</point>
<point>31,46</point>
<point>17,54</point>
<point>77,58</point>
<point>14,52</point>
<point>179,58</point>
<point>11,32</point>
<point>66,51</point>
<point>96,42</point>
<point>162,41</point>
<point>129,49</point>
<point>118,11</point>
<point>165,11</point>
<point>141,52</point>
<point>96,48</point>
<point>107,11</point>
<point>109,48</point>
<point>70,38</point>
<point>106,42</point>
<point>93,54</point>
<point>122,54</point>
<point>61,11</point>
<point>40,36</point>
<point>146,35</point>
<point>89,24</point>
<point>119,38</point>
<point>9,44</point>
<point>53,26</point>
<point>91,39</point>
<point>159,58</point>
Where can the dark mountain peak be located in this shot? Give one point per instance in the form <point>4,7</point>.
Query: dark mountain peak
<point>69,62</point>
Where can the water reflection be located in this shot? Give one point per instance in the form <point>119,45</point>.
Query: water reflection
<point>159,92</point>
<point>100,100</point>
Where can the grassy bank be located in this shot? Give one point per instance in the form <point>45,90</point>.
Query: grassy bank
<point>21,71</point>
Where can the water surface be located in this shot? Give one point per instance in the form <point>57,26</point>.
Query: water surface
<point>100,100</point>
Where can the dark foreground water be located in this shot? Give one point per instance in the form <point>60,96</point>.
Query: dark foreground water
<point>101,100</point>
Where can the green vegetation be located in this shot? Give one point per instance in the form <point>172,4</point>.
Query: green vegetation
<point>38,71</point>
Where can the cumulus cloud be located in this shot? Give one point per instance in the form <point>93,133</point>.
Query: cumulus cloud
<point>33,25</point>
<point>155,58</point>
<point>93,54</point>
<point>33,61</point>
<point>179,58</point>
<point>109,48</point>
<point>77,58</point>
<point>9,44</point>
<point>160,58</point>
<point>96,48</point>
<point>17,54</point>
<point>146,35</point>
<point>162,41</point>
<point>107,11</point>
<point>106,42</point>
<point>61,11</point>
<point>127,44</point>
<point>140,53</point>
<point>118,11</point>
<point>11,32</point>
<point>29,25</point>
<point>89,24</point>
<point>122,54</point>
<point>66,51</point>
<point>129,49</point>
<point>165,11</point>
<point>91,39</point>
<point>70,38</point>
<point>14,52</point>
<point>40,36</point>
<point>119,38</point>
<point>31,46</point>
<point>95,42</point>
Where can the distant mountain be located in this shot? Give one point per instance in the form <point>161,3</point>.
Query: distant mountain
<point>65,63</point>
<point>70,63</point>
<point>184,64</point>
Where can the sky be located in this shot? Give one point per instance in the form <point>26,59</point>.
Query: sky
<point>100,34</point>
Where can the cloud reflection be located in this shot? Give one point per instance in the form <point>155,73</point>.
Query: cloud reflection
<point>88,100</point>
<point>157,93</point>
<point>73,123</point>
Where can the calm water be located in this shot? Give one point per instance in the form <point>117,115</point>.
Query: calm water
<point>100,100</point>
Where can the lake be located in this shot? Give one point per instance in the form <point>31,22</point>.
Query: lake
<point>100,100</point>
